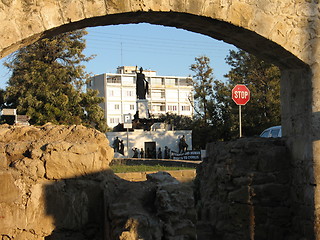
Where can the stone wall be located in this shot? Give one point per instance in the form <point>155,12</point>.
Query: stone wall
<point>160,208</point>
<point>56,184</point>
<point>244,191</point>
<point>48,179</point>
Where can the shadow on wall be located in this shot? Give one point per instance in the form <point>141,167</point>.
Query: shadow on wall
<point>77,206</point>
<point>251,188</point>
<point>300,122</point>
<point>103,206</point>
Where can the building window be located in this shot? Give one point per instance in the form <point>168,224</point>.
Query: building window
<point>111,93</point>
<point>156,81</point>
<point>172,108</point>
<point>113,80</point>
<point>186,108</point>
<point>185,82</point>
<point>158,93</point>
<point>131,107</point>
<point>90,84</point>
<point>159,107</point>
<point>162,108</point>
<point>114,120</point>
<point>170,81</point>
<point>129,93</point>
<point>127,80</point>
<point>116,106</point>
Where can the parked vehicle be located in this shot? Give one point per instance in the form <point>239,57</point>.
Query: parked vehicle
<point>272,132</point>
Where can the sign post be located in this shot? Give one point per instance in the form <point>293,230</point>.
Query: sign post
<point>240,95</point>
<point>127,123</point>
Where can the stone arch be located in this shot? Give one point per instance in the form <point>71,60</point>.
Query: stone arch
<point>240,37</point>
<point>283,32</point>
<point>25,21</point>
<point>224,22</point>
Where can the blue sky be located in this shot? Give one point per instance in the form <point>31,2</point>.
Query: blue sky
<point>167,50</point>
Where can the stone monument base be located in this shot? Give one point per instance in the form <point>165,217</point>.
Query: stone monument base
<point>142,108</point>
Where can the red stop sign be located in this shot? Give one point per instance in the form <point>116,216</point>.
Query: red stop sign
<point>240,94</point>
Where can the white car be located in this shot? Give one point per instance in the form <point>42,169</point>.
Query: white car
<point>272,132</point>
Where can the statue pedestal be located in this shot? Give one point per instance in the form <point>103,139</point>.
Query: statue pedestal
<point>142,108</point>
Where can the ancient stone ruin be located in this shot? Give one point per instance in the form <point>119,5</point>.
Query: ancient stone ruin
<point>246,190</point>
<point>284,32</point>
<point>56,184</point>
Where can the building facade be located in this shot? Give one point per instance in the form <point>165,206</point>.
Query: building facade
<point>171,94</point>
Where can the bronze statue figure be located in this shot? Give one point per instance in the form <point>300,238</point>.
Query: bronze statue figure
<point>142,85</point>
<point>183,146</point>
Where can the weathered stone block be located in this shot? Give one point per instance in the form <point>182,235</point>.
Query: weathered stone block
<point>271,194</point>
<point>9,191</point>
<point>277,161</point>
<point>31,206</point>
<point>240,181</point>
<point>258,178</point>
<point>240,195</point>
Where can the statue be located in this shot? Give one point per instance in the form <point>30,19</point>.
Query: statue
<point>142,86</point>
<point>183,146</point>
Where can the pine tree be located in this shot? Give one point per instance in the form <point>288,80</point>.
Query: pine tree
<point>48,81</point>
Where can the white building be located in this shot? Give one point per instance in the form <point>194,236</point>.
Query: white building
<point>166,94</point>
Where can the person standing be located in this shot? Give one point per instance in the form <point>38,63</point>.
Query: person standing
<point>169,153</point>
<point>166,152</point>
<point>141,153</point>
<point>148,154</point>
<point>115,144</point>
<point>121,146</point>
<point>135,153</point>
<point>159,155</point>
